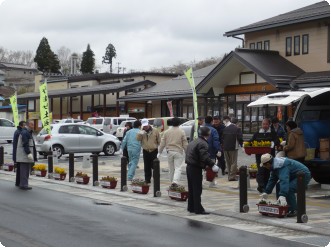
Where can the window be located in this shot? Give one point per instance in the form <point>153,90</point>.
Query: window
<point>5,123</point>
<point>252,46</point>
<point>296,45</point>
<point>266,45</point>
<point>305,44</point>
<point>288,46</point>
<point>259,45</point>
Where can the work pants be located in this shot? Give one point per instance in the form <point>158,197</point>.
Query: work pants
<point>134,155</point>
<point>148,163</point>
<point>194,180</point>
<point>175,160</point>
<point>24,174</point>
<point>231,163</point>
<point>17,170</point>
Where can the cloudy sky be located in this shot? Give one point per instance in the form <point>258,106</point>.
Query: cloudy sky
<point>146,33</point>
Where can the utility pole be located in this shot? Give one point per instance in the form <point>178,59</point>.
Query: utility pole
<point>118,67</point>
<point>124,68</point>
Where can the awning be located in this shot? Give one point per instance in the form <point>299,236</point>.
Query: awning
<point>286,97</point>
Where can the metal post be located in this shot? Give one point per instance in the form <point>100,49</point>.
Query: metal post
<point>301,198</point>
<point>71,167</point>
<point>50,164</point>
<point>95,169</point>
<point>1,155</point>
<point>156,177</point>
<point>243,207</point>
<point>124,164</point>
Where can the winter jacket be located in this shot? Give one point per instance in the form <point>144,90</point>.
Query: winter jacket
<point>130,141</point>
<point>285,170</point>
<point>295,144</point>
<point>280,131</point>
<point>232,137</point>
<point>25,146</point>
<point>150,140</point>
<point>219,130</point>
<point>269,135</point>
<point>15,140</point>
<point>213,141</point>
<point>197,154</point>
<point>174,139</point>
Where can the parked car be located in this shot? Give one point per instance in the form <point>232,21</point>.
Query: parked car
<point>76,138</point>
<point>121,129</point>
<point>108,124</point>
<point>187,127</point>
<point>70,120</point>
<point>161,123</point>
<point>7,130</point>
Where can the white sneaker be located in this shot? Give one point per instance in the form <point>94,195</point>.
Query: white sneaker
<point>213,184</point>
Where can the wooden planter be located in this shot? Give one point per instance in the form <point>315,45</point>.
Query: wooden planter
<point>257,150</point>
<point>39,173</point>
<point>8,167</point>
<point>108,184</point>
<point>140,189</point>
<point>82,180</point>
<point>58,176</point>
<point>178,196</point>
<point>210,175</point>
<point>272,210</point>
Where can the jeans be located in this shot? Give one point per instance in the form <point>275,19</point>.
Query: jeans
<point>148,163</point>
<point>134,155</point>
<point>175,160</point>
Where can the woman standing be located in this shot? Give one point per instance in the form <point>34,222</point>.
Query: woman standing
<point>295,144</point>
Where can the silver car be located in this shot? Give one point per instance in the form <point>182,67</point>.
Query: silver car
<point>7,130</point>
<point>76,138</point>
<point>121,129</point>
<point>187,127</point>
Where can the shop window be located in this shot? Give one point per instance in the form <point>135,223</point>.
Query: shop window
<point>252,46</point>
<point>288,47</point>
<point>305,44</point>
<point>296,45</point>
<point>259,45</point>
<point>267,45</point>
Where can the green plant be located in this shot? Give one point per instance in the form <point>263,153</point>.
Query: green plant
<point>138,182</point>
<point>109,179</point>
<point>177,188</point>
<point>81,174</point>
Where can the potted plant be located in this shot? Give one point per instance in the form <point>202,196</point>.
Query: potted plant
<point>40,170</point>
<point>257,147</point>
<point>252,170</point>
<point>59,173</point>
<point>108,182</point>
<point>82,178</point>
<point>177,192</point>
<point>272,209</point>
<point>8,166</point>
<point>139,186</point>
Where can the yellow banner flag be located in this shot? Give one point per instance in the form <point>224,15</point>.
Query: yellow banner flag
<point>13,102</point>
<point>44,111</point>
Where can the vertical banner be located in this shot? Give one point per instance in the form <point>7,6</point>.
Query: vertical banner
<point>169,103</point>
<point>44,112</point>
<point>190,78</point>
<point>279,113</point>
<point>13,102</point>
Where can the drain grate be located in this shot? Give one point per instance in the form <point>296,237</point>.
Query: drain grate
<point>102,203</point>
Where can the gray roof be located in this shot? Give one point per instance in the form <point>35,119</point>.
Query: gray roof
<point>16,66</point>
<point>311,80</point>
<point>315,11</point>
<point>175,88</point>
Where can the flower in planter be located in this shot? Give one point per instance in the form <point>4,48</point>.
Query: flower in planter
<point>109,179</point>
<point>253,167</point>
<point>138,182</point>
<point>81,174</point>
<point>59,170</point>
<point>177,188</point>
<point>39,167</point>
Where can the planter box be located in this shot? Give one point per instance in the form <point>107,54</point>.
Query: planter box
<point>140,189</point>
<point>178,196</point>
<point>252,173</point>
<point>8,167</point>
<point>58,176</point>
<point>39,173</point>
<point>108,184</point>
<point>82,180</point>
<point>273,210</point>
<point>210,175</point>
<point>257,150</point>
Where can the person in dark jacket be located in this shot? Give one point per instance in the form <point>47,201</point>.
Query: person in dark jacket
<point>219,126</point>
<point>197,159</point>
<point>17,133</point>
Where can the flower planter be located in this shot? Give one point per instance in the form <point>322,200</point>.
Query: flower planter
<point>210,175</point>
<point>108,184</point>
<point>8,167</point>
<point>39,173</point>
<point>82,180</point>
<point>252,173</point>
<point>257,150</point>
<point>273,210</point>
<point>58,176</point>
<point>178,196</point>
<point>140,189</point>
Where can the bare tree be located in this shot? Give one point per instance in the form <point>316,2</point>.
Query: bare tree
<point>64,56</point>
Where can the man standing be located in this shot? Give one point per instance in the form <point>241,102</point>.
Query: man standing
<point>17,133</point>
<point>175,142</point>
<point>150,140</point>
<point>219,126</point>
<point>197,159</point>
<point>26,154</point>
<point>232,138</point>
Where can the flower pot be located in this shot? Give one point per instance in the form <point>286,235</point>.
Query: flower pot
<point>210,175</point>
<point>39,173</point>
<point>257,150</point>
<point>140,189</point>
<point>58,176</point>
<point>8,167</point>
<point>178,196</point>
<point>252,173</point>
<point>273,210</point>
<point>108,184</point>
<point>82,180</point>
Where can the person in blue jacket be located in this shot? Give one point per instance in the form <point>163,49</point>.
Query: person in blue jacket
<point>134,147</point>
<point>283,174</point>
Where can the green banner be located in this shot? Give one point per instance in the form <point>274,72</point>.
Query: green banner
<point>190,78</point>
<point>13,102</point>
<point>44,110</point>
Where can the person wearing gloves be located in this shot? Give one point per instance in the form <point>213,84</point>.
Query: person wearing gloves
<point>133,147</point>
<point>232,138</point>
<point>284,176</point>
<point>150,140</point>
<point>175,142</point>
<point>26,154</point>
<point>197,159</point>
<point>17,133</point>
<point>295,145</point>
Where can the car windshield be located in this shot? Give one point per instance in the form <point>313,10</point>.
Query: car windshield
<point>43,131</point>
<point>123,123</point>
<point>94,121</point>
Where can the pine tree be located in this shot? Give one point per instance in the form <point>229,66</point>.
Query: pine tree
<point>88,61</point>
<point>45,58</point>
<point>109,55</point>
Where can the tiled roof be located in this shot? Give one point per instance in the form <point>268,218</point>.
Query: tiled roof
<point>312,79</point>
<point>6,91</point>
<point>315,11</point>
<point>16,66</point>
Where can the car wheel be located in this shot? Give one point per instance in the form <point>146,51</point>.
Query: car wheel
<point>58,150</point>
<point>109,149</point>
<point>9,141</point>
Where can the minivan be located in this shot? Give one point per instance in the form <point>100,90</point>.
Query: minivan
<point>108,124</point>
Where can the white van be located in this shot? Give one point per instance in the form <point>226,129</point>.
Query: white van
<point>108,124</point>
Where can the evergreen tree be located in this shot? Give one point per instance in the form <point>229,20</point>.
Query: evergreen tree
<point>109,55</point>
<point>88,61</point>
<point>45,58</point>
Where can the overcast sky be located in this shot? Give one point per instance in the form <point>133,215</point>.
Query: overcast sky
<point>146,33</point>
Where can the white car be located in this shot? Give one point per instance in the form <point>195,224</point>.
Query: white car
<point>121,129</point>
<point>187,127</point>
<point>7,130</point>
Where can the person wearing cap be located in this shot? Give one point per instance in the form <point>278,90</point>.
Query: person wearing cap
<point>232,138</point>
<point>150,141</point>
<point>279,130</point>
<point>201,120</point>
<point>283,175</point>
<point>197,158</point>
<point>295,144</point>
<point>219,126</point>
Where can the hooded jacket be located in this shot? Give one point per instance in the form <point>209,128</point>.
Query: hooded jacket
<point>295,144</point>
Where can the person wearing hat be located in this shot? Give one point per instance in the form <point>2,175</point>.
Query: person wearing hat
<point>283,175</point>
<point>201,120</point>
<point>197,159</point>
<point>150,141</point>
<point>295,145</point>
